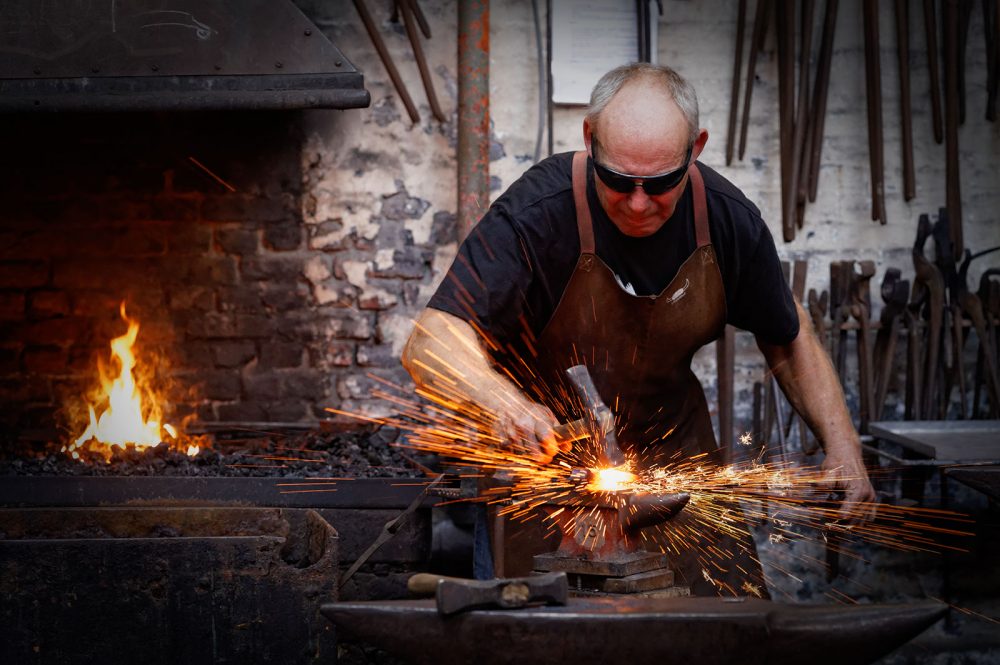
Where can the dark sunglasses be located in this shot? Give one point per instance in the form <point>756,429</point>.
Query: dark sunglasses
<point>653,185</point>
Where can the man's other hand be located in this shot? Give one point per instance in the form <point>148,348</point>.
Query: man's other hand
<point>847,474</point>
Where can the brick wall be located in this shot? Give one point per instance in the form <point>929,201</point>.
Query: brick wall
<point>100,209</point>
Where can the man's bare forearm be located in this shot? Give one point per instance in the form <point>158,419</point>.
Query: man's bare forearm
<point>806,376</point>
<point>444,355</point>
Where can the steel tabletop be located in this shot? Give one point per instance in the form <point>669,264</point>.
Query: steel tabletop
<point>945,442</point>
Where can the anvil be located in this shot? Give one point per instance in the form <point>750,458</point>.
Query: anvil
<point>636,630</point>
<point>601,547</point>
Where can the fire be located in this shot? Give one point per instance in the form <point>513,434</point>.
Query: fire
<point>131,414</point>
<point>616,479</point>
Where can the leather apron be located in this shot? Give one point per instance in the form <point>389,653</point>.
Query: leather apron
<point>638,350</point>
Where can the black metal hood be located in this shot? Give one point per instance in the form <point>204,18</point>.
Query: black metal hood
<point>142,55</point>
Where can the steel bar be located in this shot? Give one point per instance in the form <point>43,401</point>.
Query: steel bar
<point>762,17</point>
<point>932,284</point>
<point>953,187</point>
<point>473,113</point>
<point>800,125</point>
<point>820,90</point>
<point>390,66</point>
<point>406,9</point>
<point>991,27</point>
<point>388,530</point>
<point>734,95</point>
<point>914,381</point>
<point>930,33</point>
<point>964,20</point>
<point>639,631</point>
<point>725,359</point>
<point>906,125</point>
<point>785,30</point>
<point>990,33</point>
<point>874,96</point>
<point>418,13</point>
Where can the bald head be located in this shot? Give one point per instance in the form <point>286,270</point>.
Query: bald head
<point>670,93</point>
<point>644,122</point>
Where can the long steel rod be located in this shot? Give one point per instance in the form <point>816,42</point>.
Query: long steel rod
<point>785,31</point>
<point>903,54</point>
<point>761,17</point>
<point>930,31</point>
<point>821,87</point>
<point>801,125</point>
<point>390,66</point>
<point>734,95</point>
<point>874,87</point>
<point>406,9</point>
<point>953,187</point>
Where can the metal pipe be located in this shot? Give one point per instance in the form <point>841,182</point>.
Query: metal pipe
<point>473,112</point>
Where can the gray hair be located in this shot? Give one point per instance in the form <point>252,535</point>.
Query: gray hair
<point>680,91</point>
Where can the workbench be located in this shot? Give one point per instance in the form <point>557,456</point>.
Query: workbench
<point>941,442</point>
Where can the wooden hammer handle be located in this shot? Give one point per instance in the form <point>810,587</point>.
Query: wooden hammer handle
<point>425,584</point>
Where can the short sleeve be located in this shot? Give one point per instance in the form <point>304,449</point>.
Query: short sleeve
<point>488,280</point>
<point>763,304</point>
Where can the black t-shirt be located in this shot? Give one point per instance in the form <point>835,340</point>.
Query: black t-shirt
<point>514,266</point>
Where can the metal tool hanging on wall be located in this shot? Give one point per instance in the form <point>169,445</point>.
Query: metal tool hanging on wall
<point>413,18</point>
<point>802,108</point>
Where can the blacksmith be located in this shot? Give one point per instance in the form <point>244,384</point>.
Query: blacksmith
<point>628,257</point>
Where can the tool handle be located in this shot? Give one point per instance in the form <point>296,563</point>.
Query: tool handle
<point>425,584</point>
<point>572,431</point>
<point>582,382</point>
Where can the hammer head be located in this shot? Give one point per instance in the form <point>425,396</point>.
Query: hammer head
<point>454,596</point>
<point>609,454</point>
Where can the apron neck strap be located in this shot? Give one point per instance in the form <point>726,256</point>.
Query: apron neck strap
<point>583,223</point>
<point>701,233</point>
<point>586,227</point>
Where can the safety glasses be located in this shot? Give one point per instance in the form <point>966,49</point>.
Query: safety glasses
<point>653,185</point>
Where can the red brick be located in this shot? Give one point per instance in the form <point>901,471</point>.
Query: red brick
<point>11,306</point>
<point>48,304</point>
<point>45,360</point>
<point>23,274</point>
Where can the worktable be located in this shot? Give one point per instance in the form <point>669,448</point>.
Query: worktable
<point>941,442</point>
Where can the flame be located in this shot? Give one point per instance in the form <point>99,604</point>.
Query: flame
<point>132,415</point>
<point>614,479</point>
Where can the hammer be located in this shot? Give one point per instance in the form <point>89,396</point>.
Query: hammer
<point>609,454</point>
<point>456,595</point>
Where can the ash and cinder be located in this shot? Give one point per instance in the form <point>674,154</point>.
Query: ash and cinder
<point>365,452</point>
